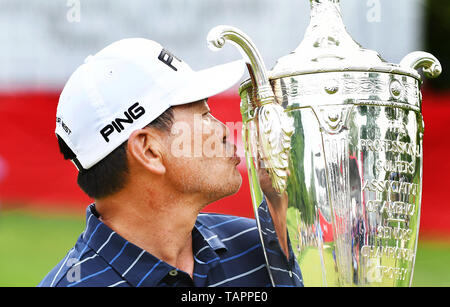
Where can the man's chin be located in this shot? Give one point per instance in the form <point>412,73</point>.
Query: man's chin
<point>229,188</point>
<point>236,186</point>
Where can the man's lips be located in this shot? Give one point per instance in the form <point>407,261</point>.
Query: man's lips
<point>236,159</point>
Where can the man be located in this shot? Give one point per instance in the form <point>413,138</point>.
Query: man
<point>131,119</point>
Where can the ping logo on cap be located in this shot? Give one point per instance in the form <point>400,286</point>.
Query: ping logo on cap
<point>166,57</point>
<point>133,113</point>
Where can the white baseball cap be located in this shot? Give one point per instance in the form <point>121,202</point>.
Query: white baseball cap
<point>125,87</point>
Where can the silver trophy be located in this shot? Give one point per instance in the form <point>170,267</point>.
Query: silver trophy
<point>339,131</point>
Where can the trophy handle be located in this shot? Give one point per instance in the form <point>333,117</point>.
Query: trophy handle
<point>418,59</point>
<point>217,37</point>
<point>275,127</point>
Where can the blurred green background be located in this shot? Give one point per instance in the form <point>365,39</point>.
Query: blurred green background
<point>34,242</point>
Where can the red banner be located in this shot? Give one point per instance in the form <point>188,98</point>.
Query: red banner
<point>33,172</point>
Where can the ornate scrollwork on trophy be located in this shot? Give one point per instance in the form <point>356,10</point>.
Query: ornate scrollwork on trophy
<point>333,119</point>
<point>432,68</point>
<point>275,131</point>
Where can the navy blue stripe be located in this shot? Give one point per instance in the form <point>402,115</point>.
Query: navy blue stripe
<point>200,276</point>
<point>149,272</point>
<point>119,253</point>
<point>241,254</point>
<point>89,276</point>
<point>89,240</point>
<point>226,222</point>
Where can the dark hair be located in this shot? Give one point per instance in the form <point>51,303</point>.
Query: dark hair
<point>110,174</point>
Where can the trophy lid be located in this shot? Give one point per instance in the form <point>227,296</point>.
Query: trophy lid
<point>327,47</point>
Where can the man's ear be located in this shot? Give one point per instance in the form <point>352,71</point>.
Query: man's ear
<point>145,148</point>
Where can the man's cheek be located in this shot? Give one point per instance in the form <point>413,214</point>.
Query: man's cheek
<point>182,142</point>
<point>213,147</point>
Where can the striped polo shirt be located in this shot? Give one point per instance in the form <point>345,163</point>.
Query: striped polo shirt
<point>227,252</point>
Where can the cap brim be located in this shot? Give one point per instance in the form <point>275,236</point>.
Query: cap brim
<point>209,82</point>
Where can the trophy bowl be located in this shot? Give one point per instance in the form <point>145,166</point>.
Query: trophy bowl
<point>339,131</point>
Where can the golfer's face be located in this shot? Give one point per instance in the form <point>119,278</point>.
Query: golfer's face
<point>201,157</point>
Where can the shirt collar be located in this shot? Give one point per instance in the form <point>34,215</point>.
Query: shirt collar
<point>133,263</point>
<point>210,236</point>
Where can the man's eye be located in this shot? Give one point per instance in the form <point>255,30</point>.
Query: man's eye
<point>206,117</point>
